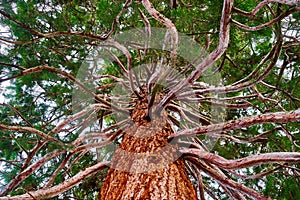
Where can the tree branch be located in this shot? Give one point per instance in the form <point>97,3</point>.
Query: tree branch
<point>265,2</point>
<point>255,176</point>
<point>256,28</point>
<point>31,130</point>
<point>64,74</point>
<point>242,162</point>
<point>167,22</point>
<point>60,188</point>
<point>212,57</point>
<point>276,117</point>
<point>30,169</point>
<point>125,51</point>
<point>224,180</point>
<point>250,79</point>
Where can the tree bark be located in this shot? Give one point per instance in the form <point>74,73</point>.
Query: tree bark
<point>145,165</point>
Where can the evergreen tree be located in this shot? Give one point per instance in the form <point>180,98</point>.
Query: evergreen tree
<point>149,100</point>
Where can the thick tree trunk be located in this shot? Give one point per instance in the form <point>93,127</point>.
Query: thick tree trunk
<point>146,166</point>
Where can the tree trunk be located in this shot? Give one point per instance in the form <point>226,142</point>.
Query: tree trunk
<point>145,165</point>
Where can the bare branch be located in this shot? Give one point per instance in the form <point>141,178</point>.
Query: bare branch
<point>225,180</point>
<point>60,188</point>
<point>167,22</point>
<point>125,51</point>
<point>64,74</point>
<point>265,2</point>
<point>216,102</point>
<point>199,178</point>
<point>31,130</point>
<point>101,134</point>
<point>55,173</point>
<point>98,144</point>
<point>250,79</point>
<point>93,107</point>
<point>281,90</point>
<point>276,117</point>
<point>255,176</point>
<point>32,153</point>
<point>264,99</point>
<point>258,138</point>
<point>124,70</point>
<point>147,29</point>
<point>32,168</point>
<point>212,57</point>
<point>243,162</point>
<point>17,112</point>
<point>12,65</point>
<point>256,28</point>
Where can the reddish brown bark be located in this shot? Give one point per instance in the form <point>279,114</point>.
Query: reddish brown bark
<point>146,166</point>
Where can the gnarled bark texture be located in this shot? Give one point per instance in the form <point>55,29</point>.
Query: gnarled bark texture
<point>146,166</point>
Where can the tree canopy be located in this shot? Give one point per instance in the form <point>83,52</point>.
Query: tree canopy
<point>225,73</point>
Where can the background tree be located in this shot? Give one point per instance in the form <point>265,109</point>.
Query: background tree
<point>57,144</point>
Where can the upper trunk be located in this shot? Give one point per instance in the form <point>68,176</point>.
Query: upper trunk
<point>146,166</point>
